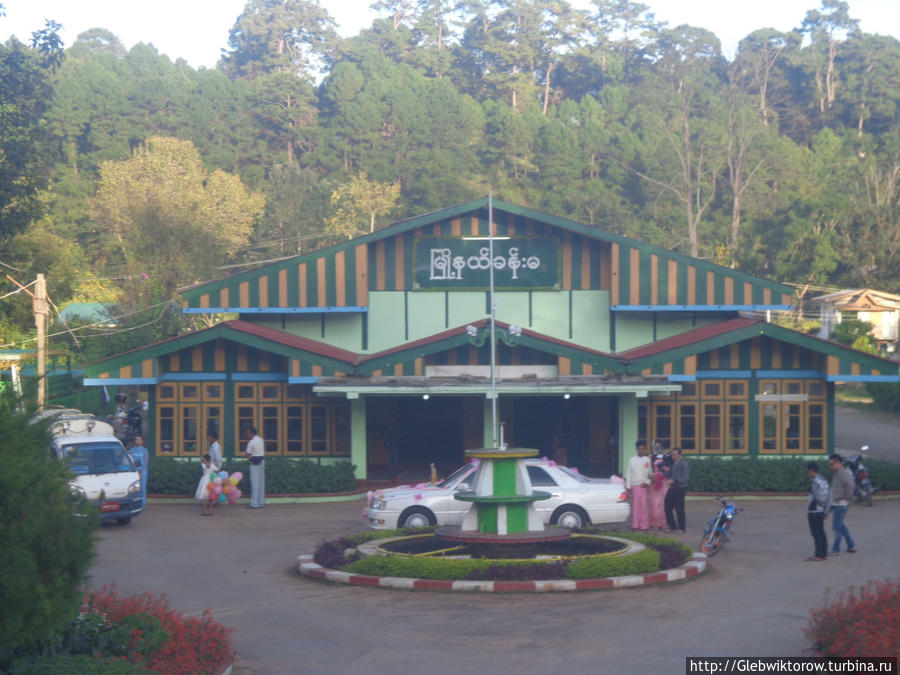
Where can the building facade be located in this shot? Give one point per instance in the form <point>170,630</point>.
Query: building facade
<point>382,344</point>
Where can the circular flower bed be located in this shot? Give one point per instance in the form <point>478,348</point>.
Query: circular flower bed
<point>662,560</point>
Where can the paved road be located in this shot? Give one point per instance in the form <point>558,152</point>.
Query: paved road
<point>854,428</point>
<point>241,564</point>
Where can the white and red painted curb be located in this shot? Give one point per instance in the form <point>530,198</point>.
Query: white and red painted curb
<point>690,569</point>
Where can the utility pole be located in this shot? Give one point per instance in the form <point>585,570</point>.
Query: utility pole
<point>41,312</point>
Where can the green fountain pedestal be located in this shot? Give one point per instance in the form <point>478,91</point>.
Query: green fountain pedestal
<point>503,502</point>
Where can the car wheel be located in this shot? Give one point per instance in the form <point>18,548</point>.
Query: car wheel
<point>124,520</point>
<point>571,516</point>
<point>416,516</point>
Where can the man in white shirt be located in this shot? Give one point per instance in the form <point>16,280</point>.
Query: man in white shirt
<point>214,450</point>
<point>256,451</point>
<point>637,482</point>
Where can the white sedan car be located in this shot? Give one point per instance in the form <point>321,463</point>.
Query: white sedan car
<point>576,500</point>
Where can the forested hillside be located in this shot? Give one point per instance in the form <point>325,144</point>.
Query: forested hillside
<point>124,176</point>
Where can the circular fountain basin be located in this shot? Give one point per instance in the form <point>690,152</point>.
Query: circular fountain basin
<point>571,546</point>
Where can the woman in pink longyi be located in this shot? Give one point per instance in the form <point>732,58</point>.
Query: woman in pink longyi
<point>658,490</point>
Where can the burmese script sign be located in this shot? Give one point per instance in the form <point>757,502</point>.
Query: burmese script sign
<point>520,262</point>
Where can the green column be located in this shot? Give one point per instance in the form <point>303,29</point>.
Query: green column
<point>628,424</point>
<point>358,454</point>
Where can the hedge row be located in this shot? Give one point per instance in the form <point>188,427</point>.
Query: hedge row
<point>451,569</point>
<point>284,475</point>
<point>752,474</point>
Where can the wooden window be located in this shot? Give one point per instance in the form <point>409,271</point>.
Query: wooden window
<point>768,421</point>
<point>816,427</point>
<point>815,389</point>
<point>736,389</point>
<point>688,390</point>
<point>293,433</point>
<point>687,427</point>
<point>213,392</point>
<point>212,421</point>
<point>270,427</point>
<point>190,428</point>
<point>189,391</point>
<point>793,429</point>
<point>712,427</point>
<point>270,391</point>
<point>793,387</point>
<point>167,392</point>
<point>245,392</point>
<point>244,418</point>
<point>737,427</point>
<point>165,429</point>
<point>643,426</point>
<point>712,389</point>
<point>768,387</point>
<point>296,392</point>
<point>662,423</point>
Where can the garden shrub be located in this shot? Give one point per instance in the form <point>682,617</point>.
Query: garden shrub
<point>194,645</point>
<point>46,538</point>
<point>591,567</point>
<point>284,475</point>
<point>788,474</point>
<point>66,664</point>
<point>863,622</point>
<point>594,567</point>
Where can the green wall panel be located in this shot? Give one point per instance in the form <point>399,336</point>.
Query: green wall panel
<point>386,323</point>
<point>590,319</point>
<point>550,314</point>
<point>426,314</point>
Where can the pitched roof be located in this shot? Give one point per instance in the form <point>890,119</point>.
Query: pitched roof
<point>690,337</point>
<point>863,299</point>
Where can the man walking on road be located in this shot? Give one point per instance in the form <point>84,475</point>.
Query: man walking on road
<point>256,451</point>
<point>815,512</point>
<point>842,484</point>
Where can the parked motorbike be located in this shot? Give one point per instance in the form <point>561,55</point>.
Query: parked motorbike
<point>716,533</point>
<point>863,489</point>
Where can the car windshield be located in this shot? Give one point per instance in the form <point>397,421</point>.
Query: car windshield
<point>571,473</point>
<point>93,458</point>
<point>456,476</point>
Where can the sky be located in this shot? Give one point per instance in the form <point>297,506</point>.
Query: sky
<point>197,30</point>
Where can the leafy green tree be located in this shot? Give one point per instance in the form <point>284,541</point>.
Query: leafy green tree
<point>170,219</point>
<point>358,199</point>
<point>46,540</point>
<point>25,92</point>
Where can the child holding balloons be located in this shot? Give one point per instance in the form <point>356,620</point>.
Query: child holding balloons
<point>204,493</point>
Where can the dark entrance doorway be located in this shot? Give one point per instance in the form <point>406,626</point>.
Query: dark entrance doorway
<point>579,431</point>
<point>407,434</point>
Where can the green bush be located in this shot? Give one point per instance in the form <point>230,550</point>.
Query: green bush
<point>591,567</point>
<point>46,538</point>
<point>595,567</point>
<point>284,475</point>
<point>65,664</point>
<point>752,474</point>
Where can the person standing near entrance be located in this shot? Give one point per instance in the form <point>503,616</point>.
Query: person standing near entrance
<point>637,481</point>
<point>678,482</point>
<point>214,450</point>
<point>256,452</point>
<point>815,512</point>
<point>842,486</point>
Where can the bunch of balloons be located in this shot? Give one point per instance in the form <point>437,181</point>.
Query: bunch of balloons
<point>224,488</point>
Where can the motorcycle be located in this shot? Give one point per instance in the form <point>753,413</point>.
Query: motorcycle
<point>863,489</point>
<point>716,533</point>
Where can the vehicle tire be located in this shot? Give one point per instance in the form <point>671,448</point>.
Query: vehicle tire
<point>571,516</point>
<point>712,543</point>
<point>867,498</point>
<point>416,516</point>
<point>124,520</point>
